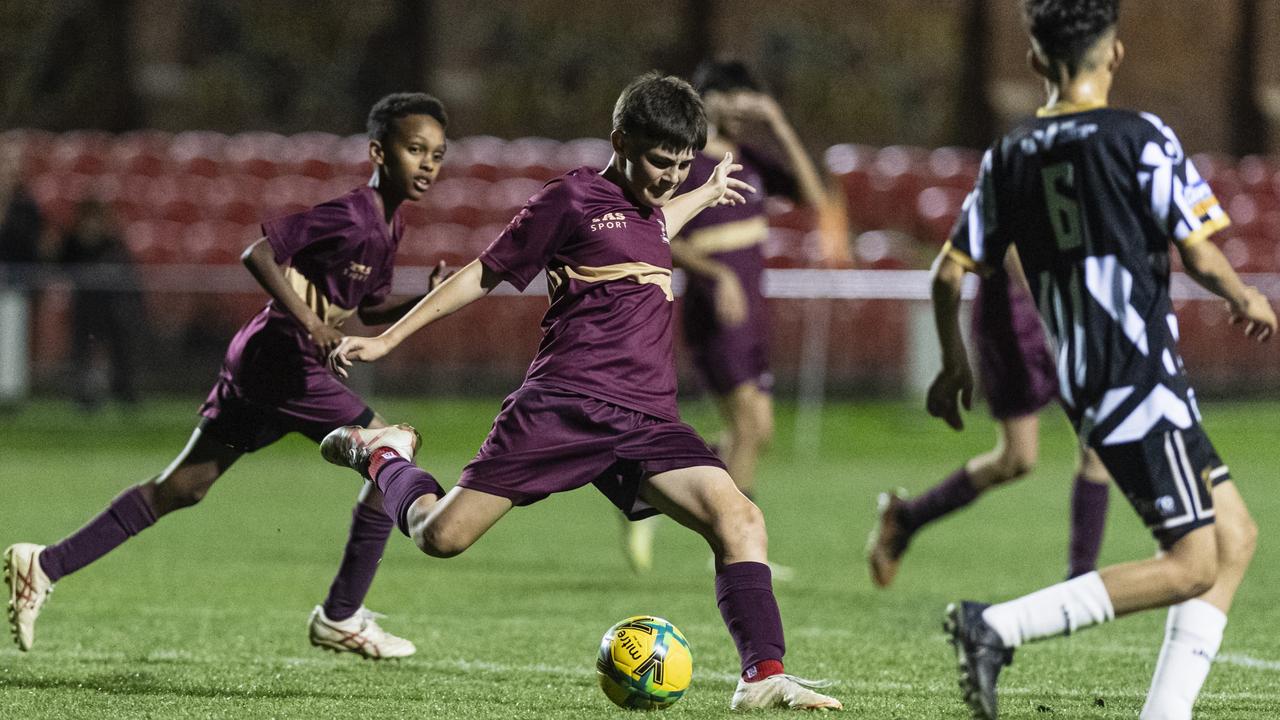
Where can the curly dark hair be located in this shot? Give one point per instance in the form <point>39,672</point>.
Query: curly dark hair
<point>662,110</point>
<point>1064,30</point>
<point>402,104</point>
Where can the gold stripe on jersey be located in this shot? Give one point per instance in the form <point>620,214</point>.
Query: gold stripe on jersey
<point>329,313</point>
<point>729,236</point>
<point>637,272</point>
<point>962,258</point>
<point>1207,228</point>
<point>1067,108</point>
<point>1204,207</point>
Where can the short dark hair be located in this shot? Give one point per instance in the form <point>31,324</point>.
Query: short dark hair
<point>662,110</point>
<point>723,76</point>
<point>397,105</point>
<point>1066,29</point>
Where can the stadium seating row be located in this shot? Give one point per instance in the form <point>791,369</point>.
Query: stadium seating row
<point>174,192</point>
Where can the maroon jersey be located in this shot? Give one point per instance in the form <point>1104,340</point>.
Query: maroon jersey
<point>607,334</point>
<point>725,356</point>
<point>337,256</point>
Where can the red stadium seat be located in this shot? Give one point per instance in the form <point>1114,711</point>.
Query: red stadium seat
<point>953,167</point>
<point>198,152</point>
<point>531,157</point>
<point>936,212</point>
<point>154,241</point>
<point>584,152</point>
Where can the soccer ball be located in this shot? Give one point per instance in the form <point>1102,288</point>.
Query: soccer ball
<point>644,663</point>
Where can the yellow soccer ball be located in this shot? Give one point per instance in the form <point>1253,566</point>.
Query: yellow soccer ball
<point>644,663</point>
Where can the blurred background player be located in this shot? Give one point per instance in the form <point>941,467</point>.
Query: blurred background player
<point>1091,197</point>
<point>1017,375</point>
<point>320,267</point>
<point>725,313</point>
<point>598,404</point>
<point>106,308</point>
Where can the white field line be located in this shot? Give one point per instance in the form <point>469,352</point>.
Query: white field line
<point>726,680</point>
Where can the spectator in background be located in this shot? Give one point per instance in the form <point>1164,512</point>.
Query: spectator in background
<point>106,308</point>
<point>20,221</point>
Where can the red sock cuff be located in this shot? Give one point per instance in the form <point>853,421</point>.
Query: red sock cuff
<point>762,670</point>
<point>379,457</point>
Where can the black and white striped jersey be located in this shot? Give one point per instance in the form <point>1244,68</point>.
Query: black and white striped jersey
<point>1091,199</point>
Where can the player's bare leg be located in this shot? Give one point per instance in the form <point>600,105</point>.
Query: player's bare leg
<point>1194,628</point>
<point>31,570</point>
<point>748,414</point>
<point>440,524</point>
<point>705,500</point>
<point>1196,577</point>
<point>899,517</point>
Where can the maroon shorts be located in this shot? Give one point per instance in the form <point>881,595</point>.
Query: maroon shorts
<point>727,357</point>
<point>546,440</point>
<point>1016,371</point>
<point>270,389</point>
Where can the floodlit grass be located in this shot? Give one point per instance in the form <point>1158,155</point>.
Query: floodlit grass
<point>204,615</point>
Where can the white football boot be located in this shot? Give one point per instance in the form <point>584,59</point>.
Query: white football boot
<point>782,691</point>
<point>360,634</point>
<point>351,445</point>
<point>29,589</point>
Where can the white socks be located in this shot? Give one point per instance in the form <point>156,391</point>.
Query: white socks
<point>1056,610</point>
<point>1191,639</point>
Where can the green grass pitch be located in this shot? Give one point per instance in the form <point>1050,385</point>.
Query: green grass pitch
<point>204,615</point>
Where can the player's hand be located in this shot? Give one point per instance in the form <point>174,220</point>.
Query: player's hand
<point>760,107</point>
<point>438,275</point>
<point>952,384</point>
<point>325,339</point>
<point>727,190</point>
<point>1256,313</point>
<point>731,300</point>
<point>354,348</point>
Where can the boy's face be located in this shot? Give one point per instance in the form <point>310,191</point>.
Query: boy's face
<point>652,174</point>
<point>410,158</point>
<point>729,110</point>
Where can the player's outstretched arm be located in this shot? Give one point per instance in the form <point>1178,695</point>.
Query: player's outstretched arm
<point>395,308</point>
<point>261,263</point>
<point>1206,264</point>
<point>719,189</point>
<point>812,190</point>
<point>463,288</point>
<point>953,386</point>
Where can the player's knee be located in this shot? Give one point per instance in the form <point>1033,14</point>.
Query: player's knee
<point>1015,462</point>
<point>1194,577</point>
<point>182,489</point>
<point>741,527</point>
<point>1237,541</point>
<point>437,543</point>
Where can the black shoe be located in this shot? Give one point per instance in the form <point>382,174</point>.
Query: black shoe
<point>980,655</point>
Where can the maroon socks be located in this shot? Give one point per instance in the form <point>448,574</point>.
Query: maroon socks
<point>744,593</point>
<point>370,529</point>
<point>1088,520</point>
<point>129,514</point>
<point>401,483</point>
<point>950,495</point>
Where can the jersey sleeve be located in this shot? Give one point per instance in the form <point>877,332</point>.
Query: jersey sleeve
<point>1179,200</point>
<point>975,241</point>
<point>290,234</point>
<point>534,235</point>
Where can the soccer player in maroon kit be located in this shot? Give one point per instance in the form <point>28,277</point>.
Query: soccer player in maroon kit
<point>1017,374</point>
<point>725,313</point>
<point>320,267</point>
<point>598,404</point>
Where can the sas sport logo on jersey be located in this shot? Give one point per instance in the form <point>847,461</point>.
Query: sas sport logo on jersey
<point>609,221</point>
